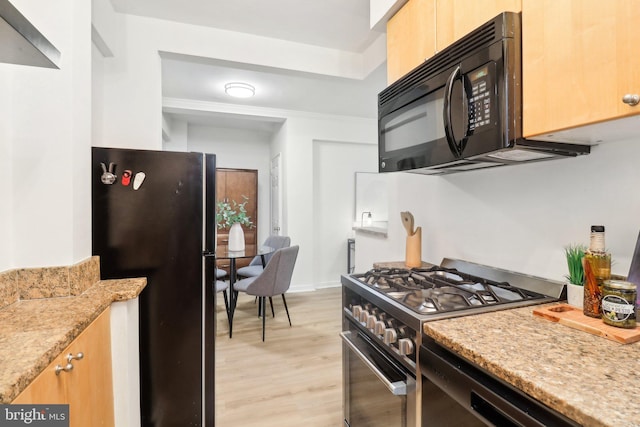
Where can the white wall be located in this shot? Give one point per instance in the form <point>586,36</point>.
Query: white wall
<point>46,136</point>
<point>334,167</point>
<point>298,167</point>
<point>6,174</point>
<point>132,79</point>
<point>241,149</point>
<point>520,217</point>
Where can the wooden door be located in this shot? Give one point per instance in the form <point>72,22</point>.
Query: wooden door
<point>411,37</point>
<point>457,18</point>
<point>580,57</point>
<point>234,185</point>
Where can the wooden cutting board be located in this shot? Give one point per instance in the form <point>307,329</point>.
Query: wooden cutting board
<point>574,318</point>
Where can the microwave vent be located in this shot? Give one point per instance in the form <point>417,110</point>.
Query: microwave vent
<point>483,36</point>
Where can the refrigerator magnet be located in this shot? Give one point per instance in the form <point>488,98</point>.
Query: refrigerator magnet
<point>108,176</point>
<point>138,180</point>
<point>126,177</point>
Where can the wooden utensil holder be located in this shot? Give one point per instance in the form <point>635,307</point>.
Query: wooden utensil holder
<point>413,255</point>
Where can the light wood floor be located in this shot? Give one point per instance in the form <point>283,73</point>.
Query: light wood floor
<point>292,379</point>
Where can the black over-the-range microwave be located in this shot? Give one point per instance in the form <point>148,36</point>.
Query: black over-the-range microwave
<point>462,109</point>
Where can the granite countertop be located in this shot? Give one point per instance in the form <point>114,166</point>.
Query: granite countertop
<point>590,379</point>
<point>34,332</point>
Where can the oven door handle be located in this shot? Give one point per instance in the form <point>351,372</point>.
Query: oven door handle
<point>398,388</point>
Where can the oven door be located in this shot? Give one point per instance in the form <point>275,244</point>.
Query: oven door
<point>378,391</point>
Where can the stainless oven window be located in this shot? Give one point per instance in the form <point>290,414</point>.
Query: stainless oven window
<point>376,387</point>
<point>419,122</point>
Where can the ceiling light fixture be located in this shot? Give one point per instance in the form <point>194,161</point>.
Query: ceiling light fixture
<point>239,90</point>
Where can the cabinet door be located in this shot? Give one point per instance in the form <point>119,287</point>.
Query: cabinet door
<point>580,57</point>
<point>47,387</point>
<point>88,387</point>
<point>457,18</point>
<point>411,37</point>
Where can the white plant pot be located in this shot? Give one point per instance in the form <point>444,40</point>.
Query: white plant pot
<point>236,238</point>
<point>575,295</point>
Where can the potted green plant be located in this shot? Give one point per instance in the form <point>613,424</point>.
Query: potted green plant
<point>233,215</point>
<point>575,278</point>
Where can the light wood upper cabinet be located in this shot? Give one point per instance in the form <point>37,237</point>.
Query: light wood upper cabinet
<point>457,18</point>
<point>424,27</point>
<point>580,57</point>
<point>88,387</point>
<point>411,37</point>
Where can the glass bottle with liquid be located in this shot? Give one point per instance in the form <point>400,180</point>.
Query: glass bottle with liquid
<point>597,269</point>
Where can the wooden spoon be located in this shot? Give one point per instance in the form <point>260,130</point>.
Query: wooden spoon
<point>407,222</point>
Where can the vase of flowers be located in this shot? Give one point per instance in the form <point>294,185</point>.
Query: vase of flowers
<point>575,278</point>
<point>233,215</point>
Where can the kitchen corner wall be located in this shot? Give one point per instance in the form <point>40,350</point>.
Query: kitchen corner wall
<point>46,141</point>
<point>519,217</point>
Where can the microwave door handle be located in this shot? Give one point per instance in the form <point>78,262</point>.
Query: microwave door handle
<point>448,127</point>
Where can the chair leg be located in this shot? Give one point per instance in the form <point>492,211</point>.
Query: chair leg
<point>285,307</point>
<point>264,315</point>
<point>226,304</point>
<point>271,304</point>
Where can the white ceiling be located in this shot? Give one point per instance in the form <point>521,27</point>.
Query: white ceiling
<point>335,24</point>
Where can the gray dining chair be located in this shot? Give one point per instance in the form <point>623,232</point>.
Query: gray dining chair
<point>274,280</point>
<point>255,266</point>
<point>222,286</point>
<point>220,273</point>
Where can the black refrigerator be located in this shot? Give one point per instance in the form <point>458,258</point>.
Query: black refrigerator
<point>153,216</point>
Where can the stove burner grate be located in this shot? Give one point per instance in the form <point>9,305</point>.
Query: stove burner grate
<point>439,289</point>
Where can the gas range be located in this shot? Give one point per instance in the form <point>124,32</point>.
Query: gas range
<point>453,288</point>
<point>383,314</point>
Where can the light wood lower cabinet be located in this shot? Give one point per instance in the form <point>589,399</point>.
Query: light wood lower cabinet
<point>88,387</point>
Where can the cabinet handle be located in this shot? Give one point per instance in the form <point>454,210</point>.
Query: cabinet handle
<point>631,99</point>
<point>67,368</point>
<point>71,357</point>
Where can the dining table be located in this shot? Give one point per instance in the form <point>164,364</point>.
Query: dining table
<point>252,251</point>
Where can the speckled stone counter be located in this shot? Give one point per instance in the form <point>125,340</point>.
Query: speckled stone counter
<point>35,331</point>
<point>589,379</point>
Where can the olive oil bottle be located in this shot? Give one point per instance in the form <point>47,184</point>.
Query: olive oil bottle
<point>597,269</point>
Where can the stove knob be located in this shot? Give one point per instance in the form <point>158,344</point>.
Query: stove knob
<point>364,316</point>
<point>371,322</point>
<point>390,336</point>
<point>402,331</point>
<point>405,346</point>
<point>379,328</point>
<point>356,310</point>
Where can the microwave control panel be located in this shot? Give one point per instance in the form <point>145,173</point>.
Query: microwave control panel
<point>480,102</point>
